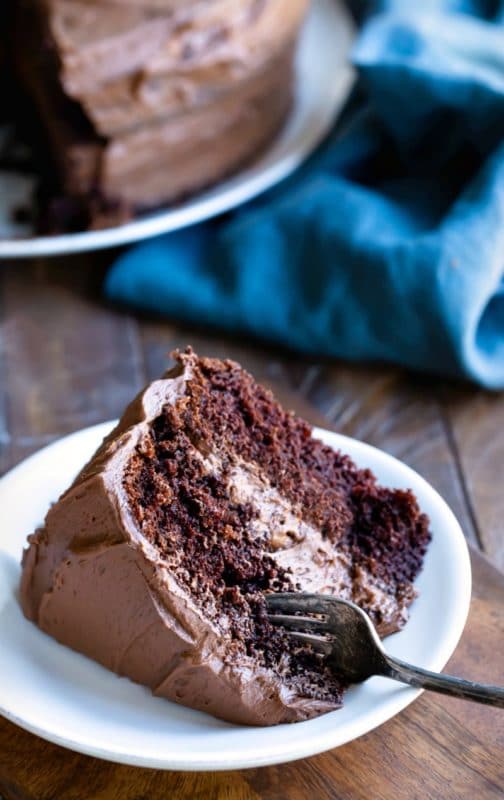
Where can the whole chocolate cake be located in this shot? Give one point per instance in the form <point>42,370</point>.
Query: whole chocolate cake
<point>143,102</point>
<point>205,497</point>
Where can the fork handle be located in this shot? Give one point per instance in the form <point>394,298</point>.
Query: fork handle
<point>445,684</point>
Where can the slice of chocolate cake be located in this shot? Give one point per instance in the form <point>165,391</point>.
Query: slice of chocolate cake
<point>206,496</point>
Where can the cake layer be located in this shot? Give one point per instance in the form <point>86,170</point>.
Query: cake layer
<point>187,153</point>
<point>195,67</point>
<point>166,160</point>
<point>206,496</point>
<point>156,156</point>
<point>100,42</point>
<point>127,65</point>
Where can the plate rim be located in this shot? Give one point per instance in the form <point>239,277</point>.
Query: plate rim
<point>313,744</point>
<point>264,172</point>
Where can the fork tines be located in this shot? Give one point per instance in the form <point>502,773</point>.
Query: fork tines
<point>299,601</point>
<point>297,625</point>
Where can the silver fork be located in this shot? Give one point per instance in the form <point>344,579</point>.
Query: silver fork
<point>348,638</point>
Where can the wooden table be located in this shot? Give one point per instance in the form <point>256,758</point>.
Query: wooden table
<point>68,361</point>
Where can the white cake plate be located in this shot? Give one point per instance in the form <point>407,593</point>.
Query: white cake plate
<point>66,698</point>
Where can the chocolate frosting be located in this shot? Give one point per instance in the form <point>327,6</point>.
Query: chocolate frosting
<point>125,63</point>
<point>195,149</point>
<point>168,158</point>
<point>93,582</point>
<point>145,102</point>
<point>175,85</point>
<point>178,116</point>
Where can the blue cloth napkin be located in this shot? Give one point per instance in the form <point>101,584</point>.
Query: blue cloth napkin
<point>389,243</point>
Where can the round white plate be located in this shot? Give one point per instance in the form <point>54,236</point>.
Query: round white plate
<point>68,699</point>
<point>324,78</point>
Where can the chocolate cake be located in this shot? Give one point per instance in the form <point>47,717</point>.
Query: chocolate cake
<point>206,497</point>
<point>143,102</point>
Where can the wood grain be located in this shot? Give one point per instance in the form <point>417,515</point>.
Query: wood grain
<point>477,424</point>
<point>67,362</point>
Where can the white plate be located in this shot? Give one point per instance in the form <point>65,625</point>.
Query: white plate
<point>324,78</point>
<point>68,699</point>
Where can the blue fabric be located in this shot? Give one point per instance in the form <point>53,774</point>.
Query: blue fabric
<point>389,243</point>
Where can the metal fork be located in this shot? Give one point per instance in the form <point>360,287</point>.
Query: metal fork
<point>348,638</point>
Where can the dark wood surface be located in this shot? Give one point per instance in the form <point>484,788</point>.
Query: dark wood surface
<point>68,361</point>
